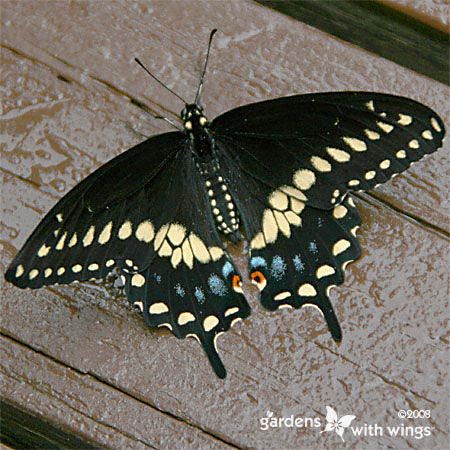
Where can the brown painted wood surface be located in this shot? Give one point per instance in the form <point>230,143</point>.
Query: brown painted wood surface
<point>80,357</point>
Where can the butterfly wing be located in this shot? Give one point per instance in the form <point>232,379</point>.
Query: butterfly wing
<point>328,144</point>
<point>146,212</point>
<point>290,163</point>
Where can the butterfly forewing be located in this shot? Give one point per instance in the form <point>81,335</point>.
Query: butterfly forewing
<point>327,144</point>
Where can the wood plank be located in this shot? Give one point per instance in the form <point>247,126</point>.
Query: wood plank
<point>392,306</point>
<point>80,403</point>
<point>327,64</point>
<point>378,28</point>
<point>433,12</point>
<point>283,362</point>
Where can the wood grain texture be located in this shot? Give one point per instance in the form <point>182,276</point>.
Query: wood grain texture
<point>80,356</point>
<point>433,12</point>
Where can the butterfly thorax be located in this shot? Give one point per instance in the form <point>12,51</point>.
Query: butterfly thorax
<point>196,126</point>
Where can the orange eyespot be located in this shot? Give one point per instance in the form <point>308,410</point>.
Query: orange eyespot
<point>258,279</point>
<point>237,283</point>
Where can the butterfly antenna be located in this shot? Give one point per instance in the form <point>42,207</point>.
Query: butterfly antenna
<point>159,81</point>
<point>200,85</point>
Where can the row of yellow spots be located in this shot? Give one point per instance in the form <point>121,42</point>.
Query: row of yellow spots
<point>286,203</point>
<point>209,323</point>
<point>173,241</point>
<point>76,268</point>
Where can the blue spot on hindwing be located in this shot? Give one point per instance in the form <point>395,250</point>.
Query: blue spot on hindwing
<point>298,263</point>
<point>227,269</point>
<point>313,247</point>
<point>157,278</point>
<point>258,261</point>
<point>199,295</point>
<point>179,290</point>
<point>217,285</point>
<point>278,267</point>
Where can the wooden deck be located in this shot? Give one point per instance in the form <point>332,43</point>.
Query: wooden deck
<point>80,360</point>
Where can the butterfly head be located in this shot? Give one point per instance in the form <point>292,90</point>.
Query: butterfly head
<point>193,118</point>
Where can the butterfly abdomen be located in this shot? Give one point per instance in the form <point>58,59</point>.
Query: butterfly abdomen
<point>223,208</point>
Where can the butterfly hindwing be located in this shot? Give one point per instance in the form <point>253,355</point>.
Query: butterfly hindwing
<point>328,144</point>
<point>304,262</point>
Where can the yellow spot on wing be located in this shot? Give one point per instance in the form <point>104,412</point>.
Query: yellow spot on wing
<point>145,232</point>
<point>89,236</point>
<point>176,234</point>
<point>325,271</point>
<point>304,179</point>
<point>158,308</point>
<point>404,119</point>
<point>188,257</point>
<point>340,246</point>
<point>385,164</point>
<point>231,311</point>
<point>258,242</point>
<point>105,235</point>
<point>372,135</point>
<point>185,317</point>
<point>43,251</point>
<point>338,155</point>
<point>386,127</point>
<point>125,230</point>
<point>307,290</point>
<point>73,240</point>
<point>199,249</point>
<point>33,274</point>
<point>320,164</point>
<point>19,271</point>
<point>77,268</point>
<point>355,144</point>
<point>435,124</point>
<point>210,322</point>
<point>279,200</point>
<point>282,295</point>
<point>60,244</point>
<point>339,211</point>
<point>138,280</point>
<point>48,272</point>
<point>414,144</point>
<point>269,226</point>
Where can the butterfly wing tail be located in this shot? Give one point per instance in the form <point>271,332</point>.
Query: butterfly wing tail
<point>301,269</point>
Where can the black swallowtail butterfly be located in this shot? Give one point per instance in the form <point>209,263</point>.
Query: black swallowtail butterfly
<point>279,170</point>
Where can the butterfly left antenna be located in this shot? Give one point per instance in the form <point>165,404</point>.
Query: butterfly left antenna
<point>159,81</point>
<point>200,85</point>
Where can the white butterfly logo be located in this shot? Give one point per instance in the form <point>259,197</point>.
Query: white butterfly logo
<point>337,425</point>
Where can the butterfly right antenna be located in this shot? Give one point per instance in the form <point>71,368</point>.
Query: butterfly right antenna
<point>200,85</point>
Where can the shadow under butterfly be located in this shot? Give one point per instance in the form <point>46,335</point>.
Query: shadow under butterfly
<point>279,171</point>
